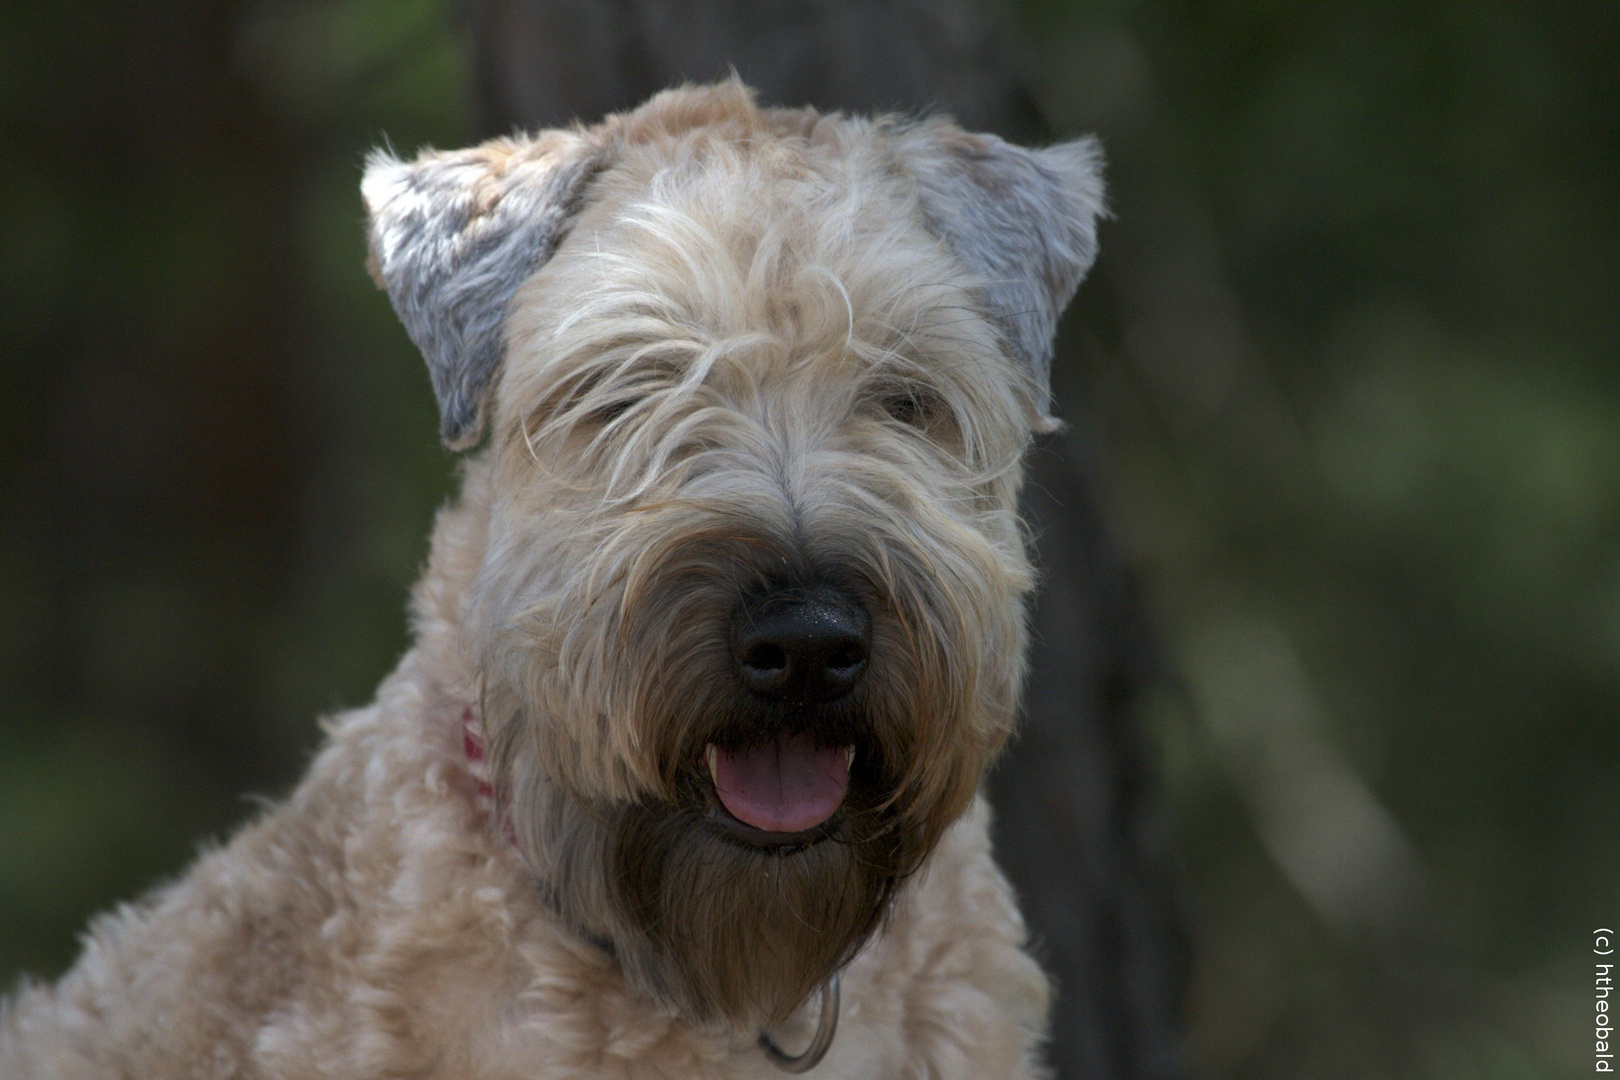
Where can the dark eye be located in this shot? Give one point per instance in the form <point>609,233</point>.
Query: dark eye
<point>912,407</point>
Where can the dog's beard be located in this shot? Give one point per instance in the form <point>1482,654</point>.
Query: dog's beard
<point>721,929</point>
<point>737,932</point>
<point>729,924</point>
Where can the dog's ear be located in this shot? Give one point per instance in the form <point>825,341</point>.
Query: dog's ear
<point>453,235</point>
<point>1024,220</point>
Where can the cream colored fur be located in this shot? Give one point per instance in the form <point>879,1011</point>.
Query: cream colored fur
<point>378,925</point>
<point>670,371</point>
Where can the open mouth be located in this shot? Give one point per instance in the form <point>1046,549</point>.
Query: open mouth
<point>785,791</point>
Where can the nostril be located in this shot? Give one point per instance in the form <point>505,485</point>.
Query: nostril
<point>765,657</point>
<point>846,655</point>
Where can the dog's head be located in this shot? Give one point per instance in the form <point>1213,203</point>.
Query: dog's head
<point>750,617</point>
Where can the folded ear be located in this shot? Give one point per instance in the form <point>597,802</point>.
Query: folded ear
<point>1024,220</point>
<point>453,235</point>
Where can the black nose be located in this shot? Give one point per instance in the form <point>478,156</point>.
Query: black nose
<point>801,645</point>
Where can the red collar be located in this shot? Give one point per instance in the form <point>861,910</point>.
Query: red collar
<point>472,743</point>
<point>476,752</point>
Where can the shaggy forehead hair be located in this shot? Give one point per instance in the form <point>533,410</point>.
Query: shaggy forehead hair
<point>756,270</point>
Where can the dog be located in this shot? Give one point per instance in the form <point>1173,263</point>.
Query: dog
<point>680,776</point>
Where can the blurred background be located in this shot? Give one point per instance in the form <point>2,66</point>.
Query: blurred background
<point>1348,364</point>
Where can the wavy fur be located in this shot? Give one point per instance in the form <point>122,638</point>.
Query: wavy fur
<point>719,350</point>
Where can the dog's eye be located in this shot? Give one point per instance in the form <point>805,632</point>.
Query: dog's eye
<point>912,407</point>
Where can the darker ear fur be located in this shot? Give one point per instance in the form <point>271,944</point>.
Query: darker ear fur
<point>1024,220</point>
<point>452,237</point>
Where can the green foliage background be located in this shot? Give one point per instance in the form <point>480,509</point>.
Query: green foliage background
<point>1349,358</point>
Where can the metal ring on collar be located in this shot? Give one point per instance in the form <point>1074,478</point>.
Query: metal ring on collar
<point>826,1027</point>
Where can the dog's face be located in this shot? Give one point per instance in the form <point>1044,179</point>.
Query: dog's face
<point>751,615</point>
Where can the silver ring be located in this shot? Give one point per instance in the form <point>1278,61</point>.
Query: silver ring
<point>826,1027</point>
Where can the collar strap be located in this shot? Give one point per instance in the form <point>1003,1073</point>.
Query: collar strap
<point>826,1028</point>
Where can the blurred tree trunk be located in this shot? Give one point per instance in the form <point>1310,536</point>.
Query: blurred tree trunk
<point>1078,823</point>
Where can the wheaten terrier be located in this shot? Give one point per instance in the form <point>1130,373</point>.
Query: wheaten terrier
<point>712,649</point>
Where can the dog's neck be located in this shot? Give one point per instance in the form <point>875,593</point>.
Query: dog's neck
<point>438,605</point>
<point>475,758</point>
<point>460,536</point>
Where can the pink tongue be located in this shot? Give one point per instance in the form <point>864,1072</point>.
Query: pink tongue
<point>784,786</point>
